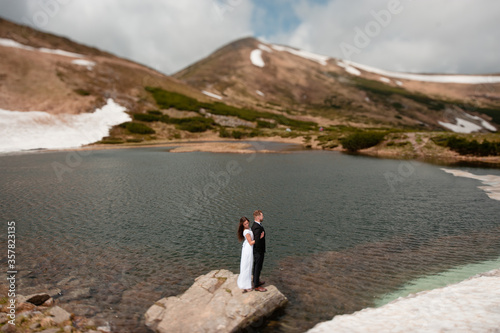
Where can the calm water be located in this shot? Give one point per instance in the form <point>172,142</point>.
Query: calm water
<point>112,231</point>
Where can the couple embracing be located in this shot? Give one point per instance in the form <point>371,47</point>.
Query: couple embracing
<point>252,252</point>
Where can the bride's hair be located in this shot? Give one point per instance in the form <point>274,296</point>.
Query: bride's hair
<point>241,228</point>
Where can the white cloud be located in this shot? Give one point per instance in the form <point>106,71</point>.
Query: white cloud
<point>166,35</point>
<point>445,36</point>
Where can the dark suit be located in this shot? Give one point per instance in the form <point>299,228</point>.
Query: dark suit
<point>259,248</point>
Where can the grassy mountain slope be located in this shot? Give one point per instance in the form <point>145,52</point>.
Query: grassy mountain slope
<point>307,88</point>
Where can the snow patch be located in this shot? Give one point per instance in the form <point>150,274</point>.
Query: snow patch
<point>462,79</point>
<point>61,53</point>
<point>82,62</point>
<point>256,58</point>
<point>399,83</point>
<point>385,80</point>
<point>265,48</point>
<point>462,126</point>
<point>484,123</point>
<point>349,69</point>
<point>12,43</point>
<point>212,94</point>
<point>468,306</point>
<point>492,182</point>
<point>41,130</point>
<point>260,93</point>
<point>321,59</point>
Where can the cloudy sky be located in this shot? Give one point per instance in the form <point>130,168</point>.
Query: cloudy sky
<point>433,36</point>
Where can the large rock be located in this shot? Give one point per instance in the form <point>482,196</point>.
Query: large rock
<point>59,315</point>
<point>214,303</point>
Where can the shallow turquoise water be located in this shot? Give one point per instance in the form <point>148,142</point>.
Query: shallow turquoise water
<point>440,280</point>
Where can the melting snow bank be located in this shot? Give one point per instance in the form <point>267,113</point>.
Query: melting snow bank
<point>473,124</point>
<point>472,305</point>
<point>462,126</point>
<point>492,182</point>
<point>41,130</point>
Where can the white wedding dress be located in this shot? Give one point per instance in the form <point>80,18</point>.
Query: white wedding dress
<point>245,278</point>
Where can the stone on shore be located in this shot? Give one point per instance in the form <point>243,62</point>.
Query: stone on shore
<point>214,303</point>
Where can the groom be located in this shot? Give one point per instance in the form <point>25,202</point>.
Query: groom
<point>259,248</point>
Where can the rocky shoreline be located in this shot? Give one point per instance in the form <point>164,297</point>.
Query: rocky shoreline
<point>214,303</point>
<point>40,313</point>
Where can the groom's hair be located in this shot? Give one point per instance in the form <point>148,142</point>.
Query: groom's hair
<point>257,213</point>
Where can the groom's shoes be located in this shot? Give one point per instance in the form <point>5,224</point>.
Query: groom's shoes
<point>260,289</point>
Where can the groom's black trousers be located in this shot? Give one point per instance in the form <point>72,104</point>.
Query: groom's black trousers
<point>258,261</point>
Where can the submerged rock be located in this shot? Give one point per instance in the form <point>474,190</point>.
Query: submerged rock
<point>38,299</point>
<point>214,303</point>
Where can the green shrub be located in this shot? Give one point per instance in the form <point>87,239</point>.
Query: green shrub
<point>111,141</point>
<point>384,90</point>
<point>493,113</point>
<point>465,147</point>
<point>167,99</point>
<point>237,134</point>
<point>397,105</point>
<point>166,119</point>
<point>255,133</point>
<point>137,128</point>
<point>146,117</point>
<point>82,92</point>
<point>195,126</point>
<point>224,133</point>
<point>362,140</point>
<point>155,112</point>
<point>265,124</point>
<point>190,124</point>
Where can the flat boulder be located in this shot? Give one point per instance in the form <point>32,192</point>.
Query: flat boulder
<point>214,303</point>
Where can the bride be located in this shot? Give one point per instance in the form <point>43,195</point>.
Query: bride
<point>245,235</point>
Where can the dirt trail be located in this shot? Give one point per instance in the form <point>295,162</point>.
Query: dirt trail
<point>417,147</point>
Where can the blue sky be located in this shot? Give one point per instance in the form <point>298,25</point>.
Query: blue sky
<point>433,36</point>
<point>271,17</point>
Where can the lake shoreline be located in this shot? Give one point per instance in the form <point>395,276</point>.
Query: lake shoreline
<point>422,153</point>
<point>415,146</point>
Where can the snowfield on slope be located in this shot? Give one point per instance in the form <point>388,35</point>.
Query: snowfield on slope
<point>29,130</point>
